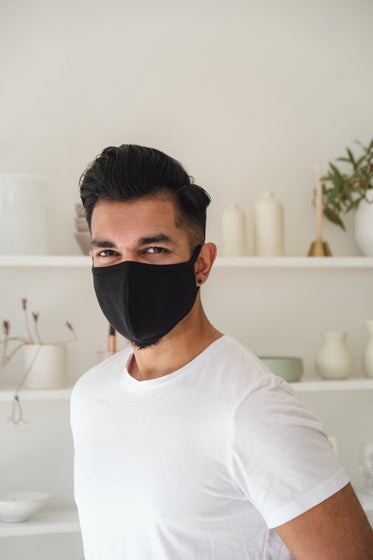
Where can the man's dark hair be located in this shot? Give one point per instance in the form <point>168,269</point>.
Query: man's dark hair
<point>130,172</point>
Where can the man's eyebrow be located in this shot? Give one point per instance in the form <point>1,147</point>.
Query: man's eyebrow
<point>101,244</point>
<point>160,238</point>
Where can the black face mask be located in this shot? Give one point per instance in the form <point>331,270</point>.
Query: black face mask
<point>143,302</point>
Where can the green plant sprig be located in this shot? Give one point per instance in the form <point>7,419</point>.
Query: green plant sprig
<point>347,190</point>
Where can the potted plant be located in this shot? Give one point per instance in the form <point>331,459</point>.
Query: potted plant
<point>45,363</point>
<point>349,187</point>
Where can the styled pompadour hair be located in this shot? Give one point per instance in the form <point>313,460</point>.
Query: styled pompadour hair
<point>130,172</point>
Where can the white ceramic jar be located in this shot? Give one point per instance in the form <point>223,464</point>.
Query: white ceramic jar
<point>268,226</point>
<point>47,364</point>
<point>233,228</point>
<point>23,215</point>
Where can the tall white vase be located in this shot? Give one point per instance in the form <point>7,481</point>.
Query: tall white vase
<point>334,360</point>
<point>368,352</point>
<point>268,226</point>
<point>364,225</point>
<point>233,226</point>
<point>47,363</point>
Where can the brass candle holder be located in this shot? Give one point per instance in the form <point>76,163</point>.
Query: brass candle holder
<point>319,249</point>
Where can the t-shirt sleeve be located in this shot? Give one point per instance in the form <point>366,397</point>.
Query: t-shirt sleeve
<point>280,456</point>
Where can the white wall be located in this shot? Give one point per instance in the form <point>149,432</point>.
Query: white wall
<point>249,95</point>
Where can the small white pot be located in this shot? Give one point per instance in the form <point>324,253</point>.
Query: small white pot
<point>364,225</point>
<point>48,366</point>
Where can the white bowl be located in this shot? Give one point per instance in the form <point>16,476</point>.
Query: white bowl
<point>20,506</point>
<point>287,367</point>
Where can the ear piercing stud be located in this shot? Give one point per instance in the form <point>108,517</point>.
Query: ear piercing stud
<point>199,280</point>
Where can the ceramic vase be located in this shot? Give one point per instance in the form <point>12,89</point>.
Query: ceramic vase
<point>334,360</point>
<point>364,225</point>
<point>268,222</point>
<point>23,215</point>
<point>234,232</point>
<point>368,352</point>
<point>47,364</point>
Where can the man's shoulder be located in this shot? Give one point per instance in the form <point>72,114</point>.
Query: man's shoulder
<point>236,357</point>
<point>111,367</point>
<point>235,367</point>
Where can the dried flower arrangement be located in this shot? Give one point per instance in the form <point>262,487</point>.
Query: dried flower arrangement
<point>11,345</point>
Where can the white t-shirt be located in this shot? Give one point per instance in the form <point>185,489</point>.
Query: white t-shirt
<point>200,464</point>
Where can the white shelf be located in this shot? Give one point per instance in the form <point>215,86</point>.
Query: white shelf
<point>6,395</point>
<point>295,262</point>
<point>301,387</point>
<point>50,261</point>
<point>67,521</point>
<point>76,261</point>
<point>43,523</point>
<point>321,385</point>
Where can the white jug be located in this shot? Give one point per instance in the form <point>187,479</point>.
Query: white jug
<point>334,360</point>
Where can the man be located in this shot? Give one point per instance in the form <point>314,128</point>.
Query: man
<point>186,447</point>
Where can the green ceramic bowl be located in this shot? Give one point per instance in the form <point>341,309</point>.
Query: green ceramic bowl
<point>289,368</point>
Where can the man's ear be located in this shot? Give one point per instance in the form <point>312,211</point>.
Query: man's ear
<point>204,262</point>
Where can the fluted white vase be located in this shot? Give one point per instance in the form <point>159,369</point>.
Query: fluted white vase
<point>334,360</point>
<point>368,352</point>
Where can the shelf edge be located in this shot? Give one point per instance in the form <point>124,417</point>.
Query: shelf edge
<point>6,395</point>
<point>43,523</point>
<point>83,261</point>
<point>322,385</point>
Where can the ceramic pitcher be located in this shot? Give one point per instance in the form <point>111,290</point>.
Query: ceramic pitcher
<point>334,360</point>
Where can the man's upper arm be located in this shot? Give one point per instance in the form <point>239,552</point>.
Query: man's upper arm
<point>336,529</point>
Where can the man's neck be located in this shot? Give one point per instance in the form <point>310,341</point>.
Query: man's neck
<point>186,341</point>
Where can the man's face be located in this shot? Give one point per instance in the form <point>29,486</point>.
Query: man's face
<point>142,230</point>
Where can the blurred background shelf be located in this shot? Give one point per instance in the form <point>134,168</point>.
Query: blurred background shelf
<point>72,261</point>
<point>43,523</point>
<point>295,262</point>
<point>358,384</point>
<point>67,521</point>
<point>317,385</point>
<point>7,395</point>
<point>68,261</point>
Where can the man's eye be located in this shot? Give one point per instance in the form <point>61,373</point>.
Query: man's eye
<point>155,250</point>
<point>106,253</point>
